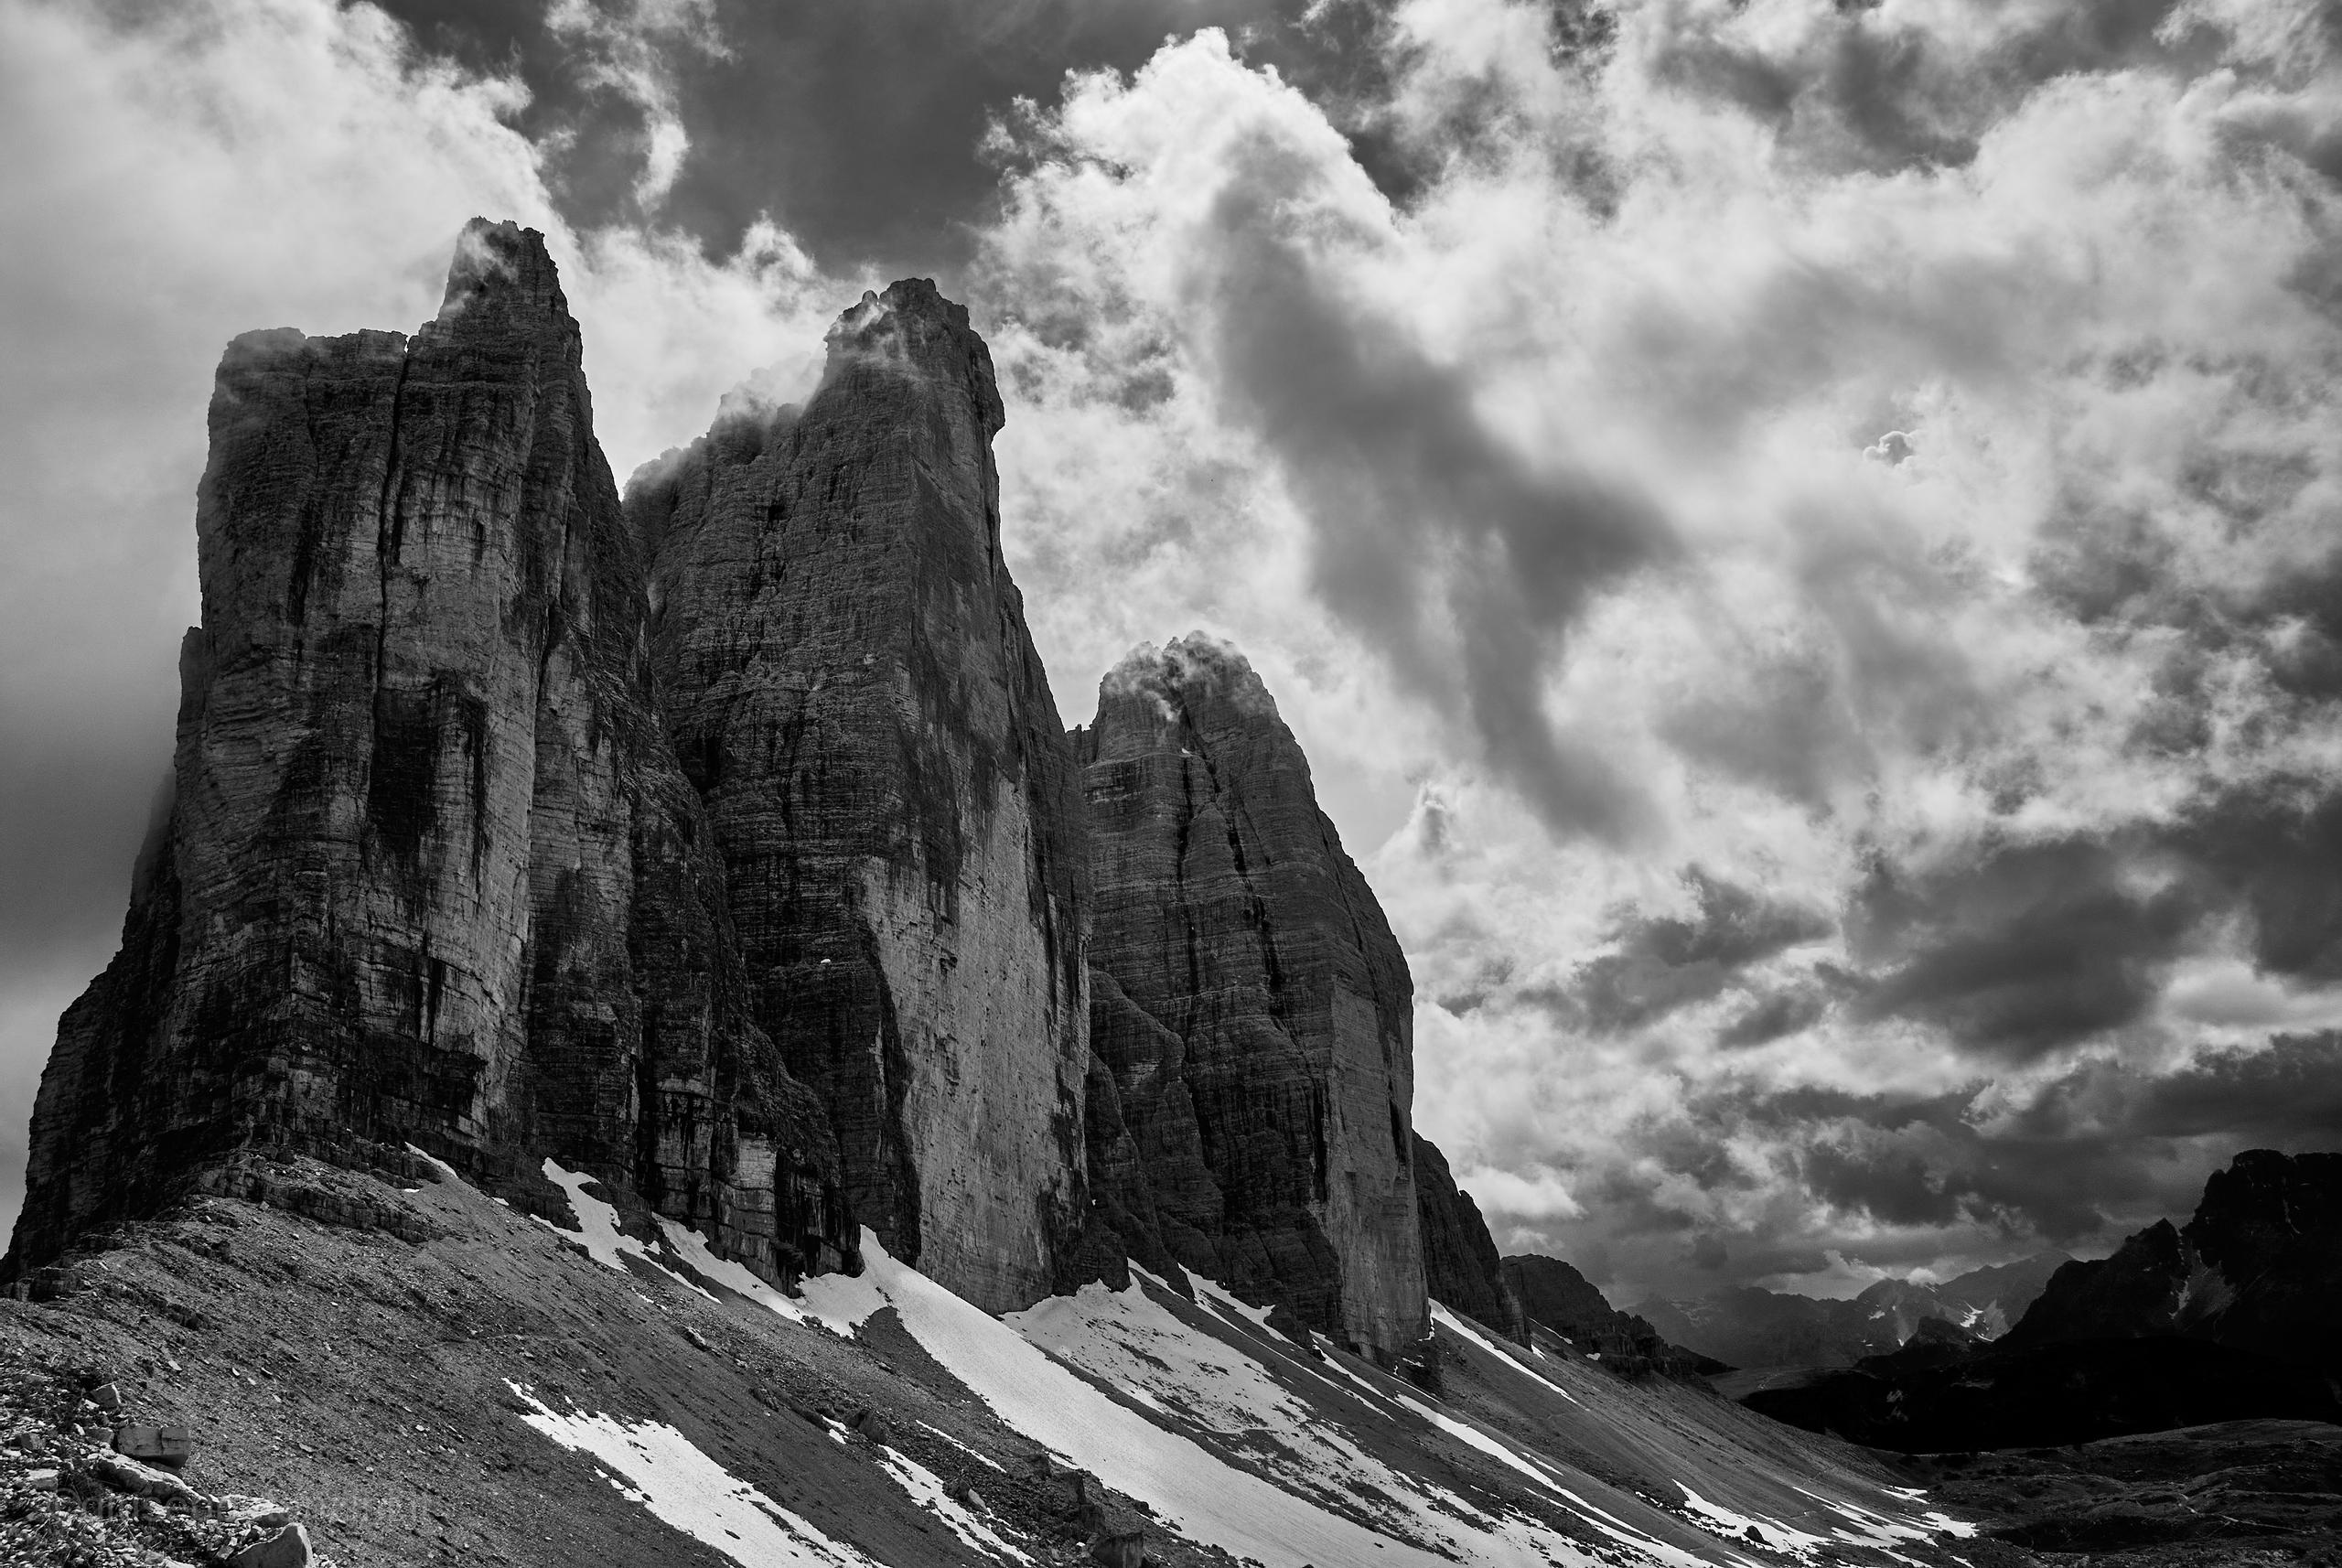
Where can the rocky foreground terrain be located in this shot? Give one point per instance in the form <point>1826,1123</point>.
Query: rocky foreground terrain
<point>413,1372</point>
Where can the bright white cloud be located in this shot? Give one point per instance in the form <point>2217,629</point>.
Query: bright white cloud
<point>1561,485</point>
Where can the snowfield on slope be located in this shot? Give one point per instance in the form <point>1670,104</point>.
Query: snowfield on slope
<point>1131,1341</point>
<point>663,1471</point>
<point>1191,1489</point>
<point>1236,1439</point>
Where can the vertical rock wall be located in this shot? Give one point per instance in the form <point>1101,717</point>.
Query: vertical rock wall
<point>851,686</point>
<point>1250,1005</point>
<point>1461,1269</point>
<point>431,871</point>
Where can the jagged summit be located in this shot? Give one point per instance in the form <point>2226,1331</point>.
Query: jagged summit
<point>912,331</point>
<point>1197,665</point>
<point>506,268</point>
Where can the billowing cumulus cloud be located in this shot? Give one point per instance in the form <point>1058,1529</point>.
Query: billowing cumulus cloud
<point>1833,508</point>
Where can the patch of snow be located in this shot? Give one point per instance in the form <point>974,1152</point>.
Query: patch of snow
<point>1456,1325</point>
<point>1799,1543</point>
<point>682,1488</point>
<point>447,1172</point>
<point>692,1247</point>
<point>1877,1529</point>
<point>1191,1489</point>
<point>1135,1344</point>
<point>597,1227</point>
<point>841,1305</point>
<point>925,1489</point>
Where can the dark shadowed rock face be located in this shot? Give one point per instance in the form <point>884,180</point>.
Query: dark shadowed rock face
<point>431,874</point>
<point>2258,1267</point>
<point>1555,1296</point>
<point>1461,1269</point>
<point>1251,1007</point>
<point>851,687</point>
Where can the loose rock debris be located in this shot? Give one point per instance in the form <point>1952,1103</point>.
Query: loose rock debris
<point>69,1498</point>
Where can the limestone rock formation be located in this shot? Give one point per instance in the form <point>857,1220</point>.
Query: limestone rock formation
<point>1250,1007</point>
<point>853,692</point>
<point>431,872</point>
<point>1461,1269</point>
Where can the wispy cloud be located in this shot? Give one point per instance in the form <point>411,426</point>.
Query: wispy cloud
<point>629,47</point>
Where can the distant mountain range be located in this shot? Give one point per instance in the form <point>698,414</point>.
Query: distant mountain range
<point>1749,1328</point>
<point>2232,1316</point>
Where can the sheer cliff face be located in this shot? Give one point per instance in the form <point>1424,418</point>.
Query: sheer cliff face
<point>1252,1009</point>
<point>1461,1268</point>
<point>851,686</point>
<point>431,871</point>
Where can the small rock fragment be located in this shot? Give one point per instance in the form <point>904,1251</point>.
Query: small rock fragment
<point>288,1547</point>
<point>154,1444</point>
<point>107,1397</point>
<point>42,1480</point>
<point>127,1474</point>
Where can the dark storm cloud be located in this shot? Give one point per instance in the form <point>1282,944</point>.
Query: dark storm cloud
<point>1862,90</point>
<point>1771,1018</point>
<point>1895,1181</point>
<point>1406,485</point>
<point>1662,965</point>
<point>2275,849</point>
<point>860,128</point>
<point>2025,949</point>
<point>2289,1093</point>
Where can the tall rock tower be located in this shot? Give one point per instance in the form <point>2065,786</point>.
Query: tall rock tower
<point>852,689</point>
<point>431,872</point>
<point>1251,1007</point>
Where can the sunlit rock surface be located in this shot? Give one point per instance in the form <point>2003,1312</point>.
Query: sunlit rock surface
<point>852,689</point>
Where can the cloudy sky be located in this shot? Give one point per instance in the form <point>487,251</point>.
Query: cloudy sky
<point>1804,541</point>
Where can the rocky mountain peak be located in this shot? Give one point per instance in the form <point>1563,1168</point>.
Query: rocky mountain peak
<point>1197,681</point>
<point>912,332</point>
<point>502,275</point>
